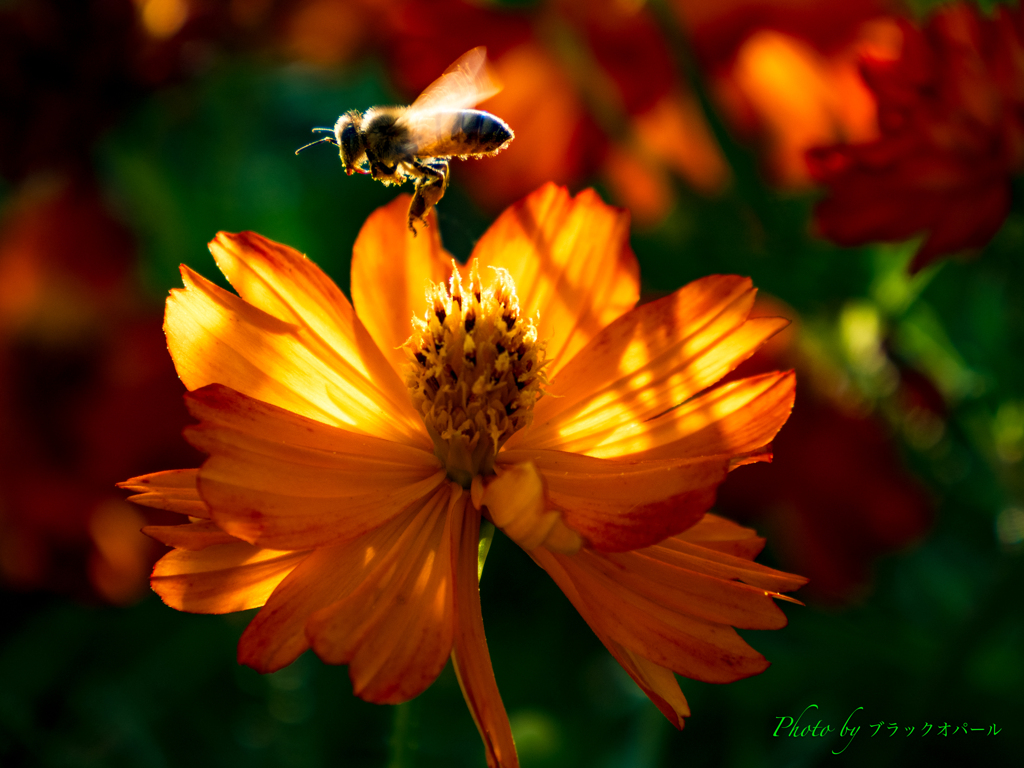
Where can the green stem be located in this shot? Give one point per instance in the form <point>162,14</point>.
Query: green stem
<point>486,537</point>
<point>402,743</point>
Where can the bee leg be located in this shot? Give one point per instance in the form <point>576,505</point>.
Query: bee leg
<point>382,172</point>
<point>430,188</point>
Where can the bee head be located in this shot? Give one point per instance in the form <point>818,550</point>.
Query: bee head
<point>350,142</point>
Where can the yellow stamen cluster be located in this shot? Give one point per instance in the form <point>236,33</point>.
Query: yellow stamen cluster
<point>475,370</point>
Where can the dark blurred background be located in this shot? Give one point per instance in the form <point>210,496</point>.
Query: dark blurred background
<point>781,139</point>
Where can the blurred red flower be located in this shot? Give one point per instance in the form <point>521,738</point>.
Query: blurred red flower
<point>85,396</point>
<point>951,137</point>
<point>836,496</point>
<point>719,28</point>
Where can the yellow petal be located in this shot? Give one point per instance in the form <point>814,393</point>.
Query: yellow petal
<point>571,263</point>
<point>391,269</point>
<point>649,361</point>
<point>278,634</point>
<point>288,482</point>
<point>395,629</point>
<point>216,337</point>
<point>620,504</point>
<point>174,490</point>
<point>223,578</point>
<point>470,657</point>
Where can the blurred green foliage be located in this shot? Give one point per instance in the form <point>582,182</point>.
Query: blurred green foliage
<point>922,8</point>
<point>939,638</point>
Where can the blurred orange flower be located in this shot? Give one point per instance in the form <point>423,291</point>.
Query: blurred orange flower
<point>594,88</point>
<point>952,136</point>
<point>788,96</point>
<point>352,456</point>
<point>590,88</point>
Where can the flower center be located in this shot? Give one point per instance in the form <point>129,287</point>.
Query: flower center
<point>475,370</point>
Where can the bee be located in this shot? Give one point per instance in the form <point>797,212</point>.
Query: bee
<point>395,144</point>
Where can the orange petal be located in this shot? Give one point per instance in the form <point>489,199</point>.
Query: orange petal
<point>278,634</point>
<point>191,536</point>
<point>704,548</point>
<point>216,337</point>
<point>470,657</point>
<point>652,572</point>
<point>620,504</point>
<point>282,282</point>
<point>723,535</point>
<point>696,648</point>
<point>658,682</point>
<point>517,503</point>
<point>649,361</point>
<point>223,578</point>
<point>657,611</point>
<point>571,263</point>
<point>174,490</point>
<point>395,629</point>
<point>288,482</point>
<point>733,419</point>
<point>391,269</point>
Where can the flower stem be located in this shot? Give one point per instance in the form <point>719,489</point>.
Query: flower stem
<point>486,537</point>
<point>402,743</point>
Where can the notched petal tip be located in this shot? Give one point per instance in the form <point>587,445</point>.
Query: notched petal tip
<point>227,247</point>
<point>211,397</point>
<point>787,598</point>
<point>173,490</point>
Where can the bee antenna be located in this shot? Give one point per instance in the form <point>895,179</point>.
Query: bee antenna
<point>327,139</point>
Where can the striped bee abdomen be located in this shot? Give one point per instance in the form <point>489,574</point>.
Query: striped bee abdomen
<point>466,132</point>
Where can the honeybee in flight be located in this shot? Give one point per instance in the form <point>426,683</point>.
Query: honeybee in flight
<point>395,144</point>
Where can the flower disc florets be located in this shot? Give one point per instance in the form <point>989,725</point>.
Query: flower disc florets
<point>475,370</point>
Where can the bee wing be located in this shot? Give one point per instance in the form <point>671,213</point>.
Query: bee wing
<point>428,121</point>
<point>464,84</point>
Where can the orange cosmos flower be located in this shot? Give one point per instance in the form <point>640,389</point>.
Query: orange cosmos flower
<point>352,455</point>
<point>951,138</point>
